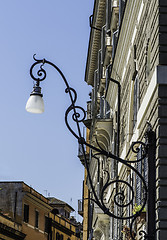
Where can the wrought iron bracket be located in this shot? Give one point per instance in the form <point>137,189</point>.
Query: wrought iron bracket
<point>78,115</point>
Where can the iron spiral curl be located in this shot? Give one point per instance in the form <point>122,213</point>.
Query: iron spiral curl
<point>40,73</point>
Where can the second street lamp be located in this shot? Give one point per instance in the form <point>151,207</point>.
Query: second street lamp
<point>35,105</point>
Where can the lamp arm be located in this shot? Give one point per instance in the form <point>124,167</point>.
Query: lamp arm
<point>41,75</point>
<point>76,116</point>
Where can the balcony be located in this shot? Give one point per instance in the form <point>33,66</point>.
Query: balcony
<point>80,207</point>
<point>81,154</point>
<point>88,121</point>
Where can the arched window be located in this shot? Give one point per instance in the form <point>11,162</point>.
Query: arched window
<point>57,236</point>
<point>61,237</point>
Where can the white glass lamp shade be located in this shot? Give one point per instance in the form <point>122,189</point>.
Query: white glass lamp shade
<point>35,104</point>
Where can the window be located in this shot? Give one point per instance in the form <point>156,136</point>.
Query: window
<point>36,218</point>
<point>26,213</point>
<point>136,98</point>
<point>48,223</point>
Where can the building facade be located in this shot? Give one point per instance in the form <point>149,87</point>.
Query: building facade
<point>127,67</point>
<point>27,214</point>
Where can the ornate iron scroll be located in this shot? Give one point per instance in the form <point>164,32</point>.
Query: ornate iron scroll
<point>78,116</point>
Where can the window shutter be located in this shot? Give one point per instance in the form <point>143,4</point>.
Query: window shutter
<point>99,67</point>
<point>107,110</point>
<point>108,14</point>
<point>92,103</point>
<point>114,163</point>
<point>107,78</point>
<point>115,230</point>
<point>128,198</point>
<point>114,42</point>
<point>138,180</point>
<point>135,104</point>
<point>96,80</point>
<point>136,100</point>
<point>108,75</point>
<point>94,96</point>
<point>121,10</point>
<point>101,107</point>
<point>134,186</point>
<point>103,43</point>
<point>91,206</point>
<point>145,169</point>
<point>138,92</point>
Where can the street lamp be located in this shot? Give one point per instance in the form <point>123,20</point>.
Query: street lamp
<point>35,105</point>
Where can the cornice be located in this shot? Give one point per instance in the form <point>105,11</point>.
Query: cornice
<point>94,40</point>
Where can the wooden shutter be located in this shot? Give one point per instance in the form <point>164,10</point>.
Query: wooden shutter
<point>136,100</point>
<point>121,10</point>
<point>145,169</point>
<point>93,103</point>
<point>108,14</point>
<point>114,163</point>
<point>114,42</point>
<point>115,225</point>
<point>91,207</point>
<point>101,107</point>
<point>128,198</point>
<point>103,43</point>
<point>138,179</point>
<point>107,110</point>
<point>120,221</point>
<point>99,67</point>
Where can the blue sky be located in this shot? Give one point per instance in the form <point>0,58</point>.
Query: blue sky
<point>39,149</point>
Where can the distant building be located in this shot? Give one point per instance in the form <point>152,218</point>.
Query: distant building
<point>35,216</point>
<point>62,220</point>
<point>9,229</point>
<point>62,207</point>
